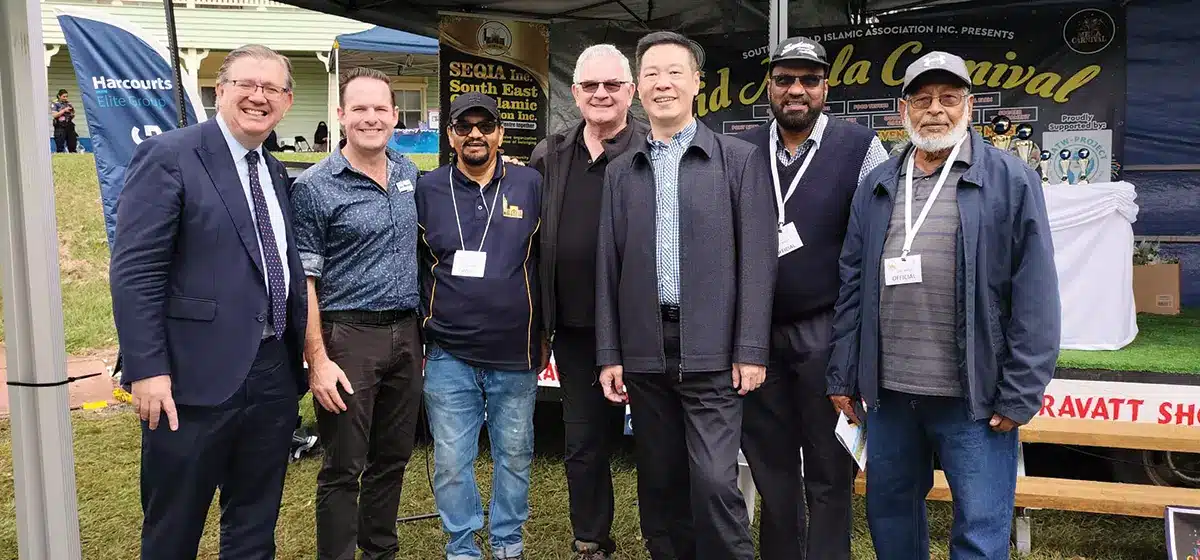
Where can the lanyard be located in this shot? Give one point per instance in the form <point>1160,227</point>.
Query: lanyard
<point>780,198</point>
<point>910,229</point>
<point>458,221</point>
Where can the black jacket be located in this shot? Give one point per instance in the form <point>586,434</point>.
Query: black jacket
<point>552,157</point>
<point>728,256</point>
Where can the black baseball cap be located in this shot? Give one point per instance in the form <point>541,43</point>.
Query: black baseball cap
<point>801,49</point>
<point>473,100</point>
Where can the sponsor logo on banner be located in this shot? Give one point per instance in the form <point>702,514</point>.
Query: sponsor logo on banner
<point>128,90</point>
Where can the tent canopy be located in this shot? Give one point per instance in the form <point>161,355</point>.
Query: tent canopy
<point>384,40</point>
<point>421,16</point>
<point>394,52</point>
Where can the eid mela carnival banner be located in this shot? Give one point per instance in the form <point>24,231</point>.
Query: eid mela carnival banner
<point>505,59</point>
<point>1058,69</point>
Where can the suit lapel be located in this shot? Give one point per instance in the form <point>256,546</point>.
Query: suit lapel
<point>214,154</point>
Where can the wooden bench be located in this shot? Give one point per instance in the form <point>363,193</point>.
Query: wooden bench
<point>1086,496</point>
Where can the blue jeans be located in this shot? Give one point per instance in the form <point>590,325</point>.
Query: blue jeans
<point>904,431</point>
<point>457,397</point>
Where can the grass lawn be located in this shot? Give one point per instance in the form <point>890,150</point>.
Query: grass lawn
<point>106,459</point>
<point>1167,344</point>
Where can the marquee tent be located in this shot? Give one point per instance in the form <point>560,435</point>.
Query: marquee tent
<point>394,52</point>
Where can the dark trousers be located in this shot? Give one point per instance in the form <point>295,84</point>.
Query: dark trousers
<point>240,446</point>
<point>790,412</point>
<point>592,426</point>
<point>65,138</point>
<point>687,428</point>
<point>372,439</point>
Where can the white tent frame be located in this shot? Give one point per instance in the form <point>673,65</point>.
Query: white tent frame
<point>42,442</point>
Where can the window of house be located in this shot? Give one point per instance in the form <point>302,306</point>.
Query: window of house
<point>412,111</point>
<point>208,96</point>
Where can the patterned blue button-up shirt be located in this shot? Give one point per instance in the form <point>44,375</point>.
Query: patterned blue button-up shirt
<point>666,159</point>
<point>360,241</point>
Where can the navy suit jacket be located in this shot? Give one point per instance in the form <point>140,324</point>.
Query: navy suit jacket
<point>186,276</point>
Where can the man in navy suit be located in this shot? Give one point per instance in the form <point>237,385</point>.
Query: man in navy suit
<point>210,307</point>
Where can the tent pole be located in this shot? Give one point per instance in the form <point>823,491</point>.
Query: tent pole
<point>335,129</point>
<point>777,22</point>
<point>173,44</point>
<point>47,517</point>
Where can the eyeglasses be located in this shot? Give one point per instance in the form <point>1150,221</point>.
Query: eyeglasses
<point>464,128</point>
<point>248,87</point>
<point>946,100</point>
<point>611,86</point>
<point>807,80</point>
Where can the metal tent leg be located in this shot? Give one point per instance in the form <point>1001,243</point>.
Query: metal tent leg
<point>1023,522</point>
<point>47,518</point>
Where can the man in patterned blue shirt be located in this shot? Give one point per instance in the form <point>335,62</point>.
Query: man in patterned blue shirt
<point>356,231</point>
<point>685,276</point>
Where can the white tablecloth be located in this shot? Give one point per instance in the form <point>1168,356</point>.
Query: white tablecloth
<point>1092,229</point>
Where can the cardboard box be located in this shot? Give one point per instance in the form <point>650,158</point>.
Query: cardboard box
<point>1156,288</point>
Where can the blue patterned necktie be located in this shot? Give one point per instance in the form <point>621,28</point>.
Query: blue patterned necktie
<point>270,250</point>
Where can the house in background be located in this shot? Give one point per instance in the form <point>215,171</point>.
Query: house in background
<point>206,30</point>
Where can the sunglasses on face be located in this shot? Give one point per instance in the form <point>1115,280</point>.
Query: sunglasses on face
<point>464,128</point>
<point>807,80</point>
<point>611,86</point>
<point>946,100</point>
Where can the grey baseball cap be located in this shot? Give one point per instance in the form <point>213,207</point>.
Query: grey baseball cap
<point>801,49</point>
<point>937,61</point>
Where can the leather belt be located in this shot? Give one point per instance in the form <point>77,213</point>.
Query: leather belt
<point>379,318</point>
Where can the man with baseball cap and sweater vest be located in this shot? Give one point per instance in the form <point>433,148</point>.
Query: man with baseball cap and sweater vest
<point>817,162</point>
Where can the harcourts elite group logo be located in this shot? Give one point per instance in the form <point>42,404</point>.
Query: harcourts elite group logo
<point>116,92</point>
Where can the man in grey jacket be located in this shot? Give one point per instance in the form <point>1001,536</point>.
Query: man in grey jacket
<point>685,279</point>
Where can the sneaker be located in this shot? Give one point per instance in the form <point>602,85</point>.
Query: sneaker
<point>589,551</point>
<point>302,444</point>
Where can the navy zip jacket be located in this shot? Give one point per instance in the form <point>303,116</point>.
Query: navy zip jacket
<point>727,258</point>
<point>1007,294</point>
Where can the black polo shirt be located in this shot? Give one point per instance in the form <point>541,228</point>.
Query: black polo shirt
<point>578,225</point>
<point>489,322</point>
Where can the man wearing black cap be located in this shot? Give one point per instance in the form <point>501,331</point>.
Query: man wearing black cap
<point>947,324</point>
<point>816,163</point>
<point>478,221</point>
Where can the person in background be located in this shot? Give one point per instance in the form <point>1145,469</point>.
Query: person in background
<point>62,116</point>
<point>817,163</point>
<point>948,321</point>
<point>357,236</point>
<point>321,137</point>
<point>573,165</point>
<point>210,308</point>
<point>686,263</point>
<point>479,219</point>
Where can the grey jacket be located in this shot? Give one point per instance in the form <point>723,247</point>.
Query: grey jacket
<point>728,255</point>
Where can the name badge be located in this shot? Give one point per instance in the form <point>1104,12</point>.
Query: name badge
<point>404,186</point>
<point>897,270</point>
<point>469,263</point>
<point>789,240</point>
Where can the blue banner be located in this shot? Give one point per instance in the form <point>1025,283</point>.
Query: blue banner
<point>128,91</point>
